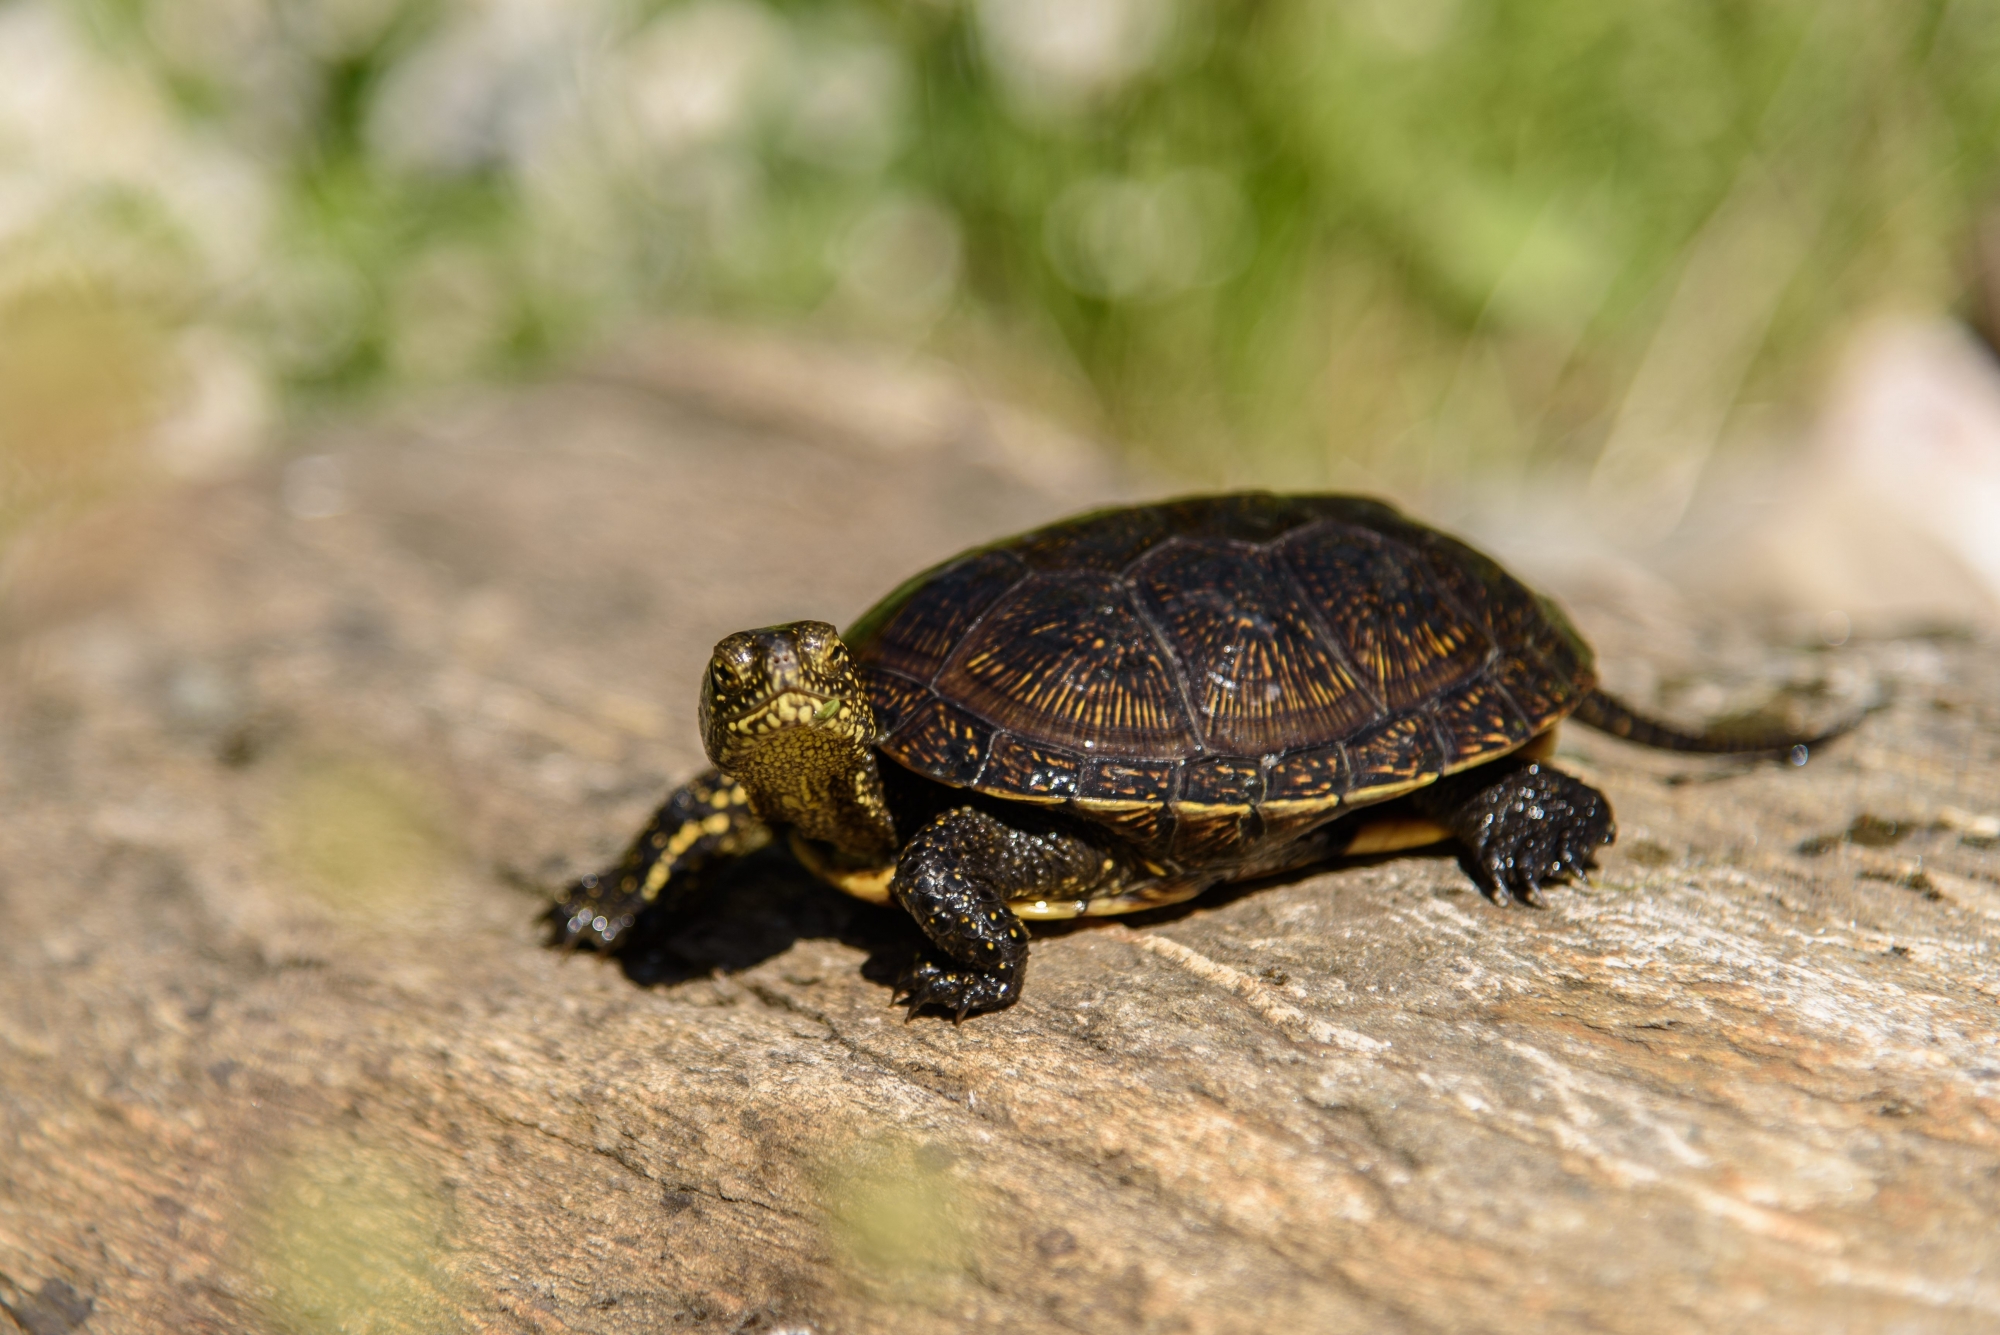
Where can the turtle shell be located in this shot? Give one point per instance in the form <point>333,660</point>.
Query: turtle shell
<point>1182,668</point>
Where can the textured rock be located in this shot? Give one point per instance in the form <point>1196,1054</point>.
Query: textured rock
<point>281,1047</point>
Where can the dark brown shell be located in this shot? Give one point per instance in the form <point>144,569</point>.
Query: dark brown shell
<point>1277,654</point>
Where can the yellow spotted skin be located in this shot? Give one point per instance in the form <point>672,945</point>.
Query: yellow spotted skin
<point>784,714</point>
<point>791,731</point>
<point>707,821</point>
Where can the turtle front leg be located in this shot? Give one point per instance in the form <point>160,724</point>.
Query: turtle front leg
<point>1523,826</point>
<point>956,878</point>
<point>706,821</point>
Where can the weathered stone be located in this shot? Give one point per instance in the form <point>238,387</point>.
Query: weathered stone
<point>282,1048</point>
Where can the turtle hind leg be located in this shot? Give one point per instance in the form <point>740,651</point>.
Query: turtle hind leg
<point>705,822</point>
<point>1522,826</point>
<point>956,878</point>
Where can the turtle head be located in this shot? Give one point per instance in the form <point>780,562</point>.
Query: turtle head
<point>783,713</point>
<point>784,684</point>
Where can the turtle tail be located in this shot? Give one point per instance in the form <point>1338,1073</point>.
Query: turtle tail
<point>1609,714</point>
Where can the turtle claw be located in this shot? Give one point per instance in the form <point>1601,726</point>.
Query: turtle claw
<point>591,914</point>
<point>956,989</point>
<point>1536,827</point>
<point>1506,881</point>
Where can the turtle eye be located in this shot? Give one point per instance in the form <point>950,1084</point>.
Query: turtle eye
<point>812,644</point>
<point>730,668</point>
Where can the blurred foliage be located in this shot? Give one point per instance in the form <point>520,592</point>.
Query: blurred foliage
<point>362,836</point>
<point>352,1239</point>
<point>896,1212</point>
<point>80,375</point>
<point>1288,240</point>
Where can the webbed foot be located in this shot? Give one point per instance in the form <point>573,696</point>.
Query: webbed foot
<point>1531,828</point>
<point>957,989</point>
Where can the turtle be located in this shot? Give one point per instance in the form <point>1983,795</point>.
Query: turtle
<point>1119,711</point>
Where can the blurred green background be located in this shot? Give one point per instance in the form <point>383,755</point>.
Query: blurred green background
<point>1371,243</point>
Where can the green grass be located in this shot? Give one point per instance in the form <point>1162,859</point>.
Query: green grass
<point>1285,240</point>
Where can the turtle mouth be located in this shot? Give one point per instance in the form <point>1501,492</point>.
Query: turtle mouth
<point>792,748</point>
<point>791,707</point>
<point>775,727</point>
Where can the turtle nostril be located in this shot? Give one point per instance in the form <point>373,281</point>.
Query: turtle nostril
<point>780,662</point>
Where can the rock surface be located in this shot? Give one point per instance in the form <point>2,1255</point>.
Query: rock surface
<point>289,763</point>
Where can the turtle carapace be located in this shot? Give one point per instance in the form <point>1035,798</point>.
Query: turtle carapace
<point>1119,711</point>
